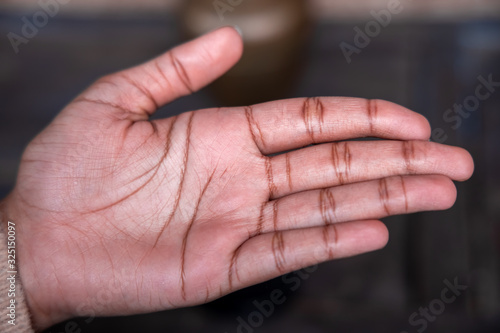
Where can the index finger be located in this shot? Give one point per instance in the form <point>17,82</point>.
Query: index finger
<point>295,123</point>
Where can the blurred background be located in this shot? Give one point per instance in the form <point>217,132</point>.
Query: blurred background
<point>430,56</point>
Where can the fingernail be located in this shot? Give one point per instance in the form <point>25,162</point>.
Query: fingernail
<point>237,28</point>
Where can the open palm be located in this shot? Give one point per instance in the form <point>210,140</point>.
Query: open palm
<point>118,214</point>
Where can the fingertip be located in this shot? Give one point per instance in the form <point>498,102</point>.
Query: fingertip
<point>381,234</point>
<point>364,236</point>
<point>432,193</point>
<point>231,40</point>
<point>465,165</point>
<point>410,123</point>
<point>424,125</point>
<point>460,164</point>
<point>444,193</point>
<point>238,29</point>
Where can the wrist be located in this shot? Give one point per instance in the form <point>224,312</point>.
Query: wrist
<point>27,299</point>
<point>16,313</point>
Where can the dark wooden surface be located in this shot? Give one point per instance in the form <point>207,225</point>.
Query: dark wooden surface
<point>426,67</point>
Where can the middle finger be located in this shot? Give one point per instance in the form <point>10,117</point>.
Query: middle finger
<point>342,163</point>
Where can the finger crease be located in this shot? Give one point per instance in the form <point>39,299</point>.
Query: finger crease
<point>260,221</point>
<point>342,176</point>
<point>327,241</point>
<point>145,93</point>
<point>278,246</point>
<point>372,111</point>
<point>254,127</point>
<point>308,117</point>
<point>270,178</point>
<point>328,207</point>
<point>331,247</point>
<point>126,112</point>
<point>182,73</point>
<point>384,195</point>
<point>160,71</point>
<point>409,155</point>
<point>289,172</point>
<point>275,215</point>
<point>207,295</point>
<point>321,107</point>
<point>347,160</point>
<point>313,112</point>
<point>233,270</point>
<point>403,186</point>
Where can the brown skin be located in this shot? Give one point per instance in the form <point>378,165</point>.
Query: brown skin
<point>119,215</point>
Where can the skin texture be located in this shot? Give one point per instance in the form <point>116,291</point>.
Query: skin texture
<point>120,215</point>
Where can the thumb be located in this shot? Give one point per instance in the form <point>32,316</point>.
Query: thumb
<point>140,91</point>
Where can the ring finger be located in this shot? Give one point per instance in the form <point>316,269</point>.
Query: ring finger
<point>361,201</point>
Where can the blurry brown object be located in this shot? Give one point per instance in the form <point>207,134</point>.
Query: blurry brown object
<point>275,34</point>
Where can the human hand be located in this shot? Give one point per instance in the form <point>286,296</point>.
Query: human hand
<point>180,211</point>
